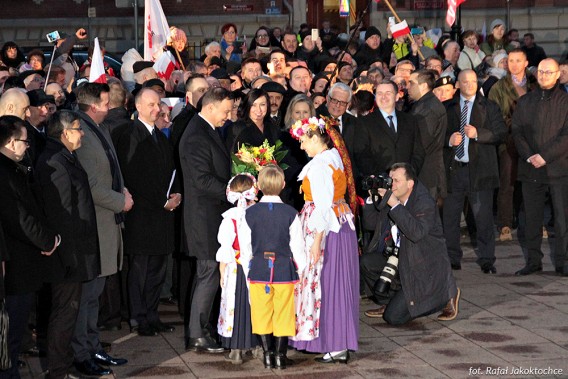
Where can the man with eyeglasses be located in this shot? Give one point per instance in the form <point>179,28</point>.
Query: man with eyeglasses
<point>338,101</point>
<point>386,136</point>
<point>33,79</point>
<point>540,131</point>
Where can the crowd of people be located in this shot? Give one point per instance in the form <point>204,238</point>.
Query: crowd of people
<point>119,197</point>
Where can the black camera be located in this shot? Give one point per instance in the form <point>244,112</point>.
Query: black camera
<point>390,270</point>
<point>373,183</point>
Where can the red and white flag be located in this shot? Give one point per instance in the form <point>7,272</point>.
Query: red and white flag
<point>97,74</point>
<point>399,30</point>
<point>452,8</point>
<point>165,64</point>
<point>156,30</point>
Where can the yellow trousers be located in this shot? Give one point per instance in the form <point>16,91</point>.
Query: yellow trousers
<point>273,313</point>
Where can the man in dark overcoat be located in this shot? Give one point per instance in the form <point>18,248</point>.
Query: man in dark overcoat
<point>206,166</point>
<point>65,196</point>
<point>475,128</point>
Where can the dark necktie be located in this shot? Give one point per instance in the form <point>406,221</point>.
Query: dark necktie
<point>460,150</point>
<point>154,135</point>
<point>391,124</point>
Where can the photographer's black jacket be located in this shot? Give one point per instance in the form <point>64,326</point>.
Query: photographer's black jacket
<point>423,266</point>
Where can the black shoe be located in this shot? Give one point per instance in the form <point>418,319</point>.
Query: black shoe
<point>203,344</point>
<point>489,269</point>
<point>456,266</point>
<point>169,301</point>
<point>160,327</point>
<point>110,328</point>
<point>280,348</point>
<point>527,270</point>
<point>146,331</point>
<point>91,368</point>
<point>343,357</point>
<point>104,359</point>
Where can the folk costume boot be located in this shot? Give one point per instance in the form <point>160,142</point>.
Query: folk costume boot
<point>281,361</point>
<point>267,342</point>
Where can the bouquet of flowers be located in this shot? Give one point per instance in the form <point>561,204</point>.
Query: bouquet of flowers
<point>251,158</point>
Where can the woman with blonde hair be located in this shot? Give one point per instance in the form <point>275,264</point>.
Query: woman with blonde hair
<point>177,43</point>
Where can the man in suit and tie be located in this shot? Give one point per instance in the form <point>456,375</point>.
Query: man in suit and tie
<point>147,162</point>
<point>475,127</point>
<point>386,136</point>
<point>98,158</point>
<point>338,100</point>
<point>206,166</point>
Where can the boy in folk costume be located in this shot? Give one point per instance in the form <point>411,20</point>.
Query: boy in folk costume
<point>271,239</point>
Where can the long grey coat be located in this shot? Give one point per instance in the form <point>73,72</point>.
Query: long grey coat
<point>93,158</point>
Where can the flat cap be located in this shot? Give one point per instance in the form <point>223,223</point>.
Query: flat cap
<point>141,65</point>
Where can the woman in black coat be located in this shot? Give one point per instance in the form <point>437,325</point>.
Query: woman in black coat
<point>63,191</point>
<point>26,233</point>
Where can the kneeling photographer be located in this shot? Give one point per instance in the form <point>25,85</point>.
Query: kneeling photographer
<point>406,264</point>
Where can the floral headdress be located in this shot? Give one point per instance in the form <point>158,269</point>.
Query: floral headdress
<point>301,127</point>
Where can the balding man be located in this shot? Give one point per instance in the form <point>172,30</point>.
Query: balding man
<point>15,102</point>
<point>147,163</point>
<point>540,131</point>
<point>475,128</point>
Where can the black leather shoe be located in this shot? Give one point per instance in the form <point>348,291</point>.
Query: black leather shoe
<point>160,327</point>
<point>204,344</point>
<point>527,270</point>
<point>489,269</point>
<point>104,359</point>
<point>146,331</point>
<point>91,368</point>
<point>343,357</point>
<point>456,266</point>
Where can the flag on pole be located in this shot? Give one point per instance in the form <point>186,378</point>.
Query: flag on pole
<point>156,30</point>
<point>165,64</point>
<point>97,74</point>
<point>452,8</point>
<point>399,30</point>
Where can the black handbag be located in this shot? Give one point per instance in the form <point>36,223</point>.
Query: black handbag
<point>4,354</point>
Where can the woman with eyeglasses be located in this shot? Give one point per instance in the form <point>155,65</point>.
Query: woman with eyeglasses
<point>260,46</point>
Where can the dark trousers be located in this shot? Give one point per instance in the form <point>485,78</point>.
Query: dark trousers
<point>482,207</point>
<point>534,197</point>
<point>146,276</point>
<point>205,290</point>
<point>396,312</point>
<point>65,300</point>
<point>85,340</point>
<point>507,174</point>
<point>110,301</point>
<point>18,308</point>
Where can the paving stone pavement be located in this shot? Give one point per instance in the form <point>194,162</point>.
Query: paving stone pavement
<point>507,325</point>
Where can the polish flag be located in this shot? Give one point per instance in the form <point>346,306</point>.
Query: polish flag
<point>452,8</point>
<point>165,64</point>
<point>156,30</point>
<point>97,74</point>
<point>399,30</point>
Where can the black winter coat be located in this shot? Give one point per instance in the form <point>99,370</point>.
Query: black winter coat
<point>147,168</point>
<point>25,229</point>
<point>540,126</point>
<point>64,193</point>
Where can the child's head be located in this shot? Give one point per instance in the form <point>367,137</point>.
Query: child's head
<point>242,186</point>
<point>271,180</point>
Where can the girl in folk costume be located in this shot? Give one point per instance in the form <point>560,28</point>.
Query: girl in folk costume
<point>327,298</point>
<point>234,325</point>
